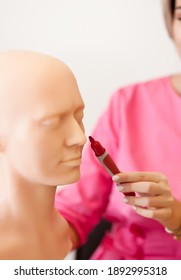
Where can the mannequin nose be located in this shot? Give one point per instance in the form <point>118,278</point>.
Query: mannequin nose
<point>76,135</point>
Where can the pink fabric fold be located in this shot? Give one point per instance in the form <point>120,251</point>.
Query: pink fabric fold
<point>123,243</point>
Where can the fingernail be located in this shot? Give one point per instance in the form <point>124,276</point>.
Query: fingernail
<point>134,207</point>
<point>120,188</point>
<point>125,200</point>
<point>115,177</point>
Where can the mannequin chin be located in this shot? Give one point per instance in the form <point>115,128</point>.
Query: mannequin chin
<point>41,142</point>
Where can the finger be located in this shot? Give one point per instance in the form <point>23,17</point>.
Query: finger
<point>144,187</point>
<point>152,201</point>
<point>138,177</point>
<point>157,214</point>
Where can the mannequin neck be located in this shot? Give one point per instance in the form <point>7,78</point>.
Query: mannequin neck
<point>30,227</point>
<point>21,200</point>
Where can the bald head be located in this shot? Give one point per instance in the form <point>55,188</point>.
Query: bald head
<point>41,113</point>
<point>27,79</point>
<point>15,65</point>
<point>27,61</point>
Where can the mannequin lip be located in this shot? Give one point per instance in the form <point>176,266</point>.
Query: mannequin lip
<point>72,162</point>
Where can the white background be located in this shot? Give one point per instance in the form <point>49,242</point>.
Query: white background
<point>107,43</point>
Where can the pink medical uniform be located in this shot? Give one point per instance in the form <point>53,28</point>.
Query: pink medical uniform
<point>141,129</point>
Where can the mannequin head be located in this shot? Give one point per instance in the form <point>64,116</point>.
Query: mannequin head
<point>41,111</point>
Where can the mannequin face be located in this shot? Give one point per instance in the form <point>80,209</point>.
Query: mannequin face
<point>43,133</point>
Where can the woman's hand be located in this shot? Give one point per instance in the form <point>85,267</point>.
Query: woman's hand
<point>154,199</point>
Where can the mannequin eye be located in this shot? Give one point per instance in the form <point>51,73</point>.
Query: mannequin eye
<point>51,122</point>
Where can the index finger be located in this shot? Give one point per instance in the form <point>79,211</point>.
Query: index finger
<point>125,177</point>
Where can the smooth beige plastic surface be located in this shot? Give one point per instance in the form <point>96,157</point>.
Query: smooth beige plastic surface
<point>41,141</point>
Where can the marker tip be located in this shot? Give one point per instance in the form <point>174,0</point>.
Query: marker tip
<point>91,139</point>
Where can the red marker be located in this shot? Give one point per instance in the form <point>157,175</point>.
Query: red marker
<point>106,160</point>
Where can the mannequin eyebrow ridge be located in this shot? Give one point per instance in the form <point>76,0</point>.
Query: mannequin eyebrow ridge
<point>59,114</point>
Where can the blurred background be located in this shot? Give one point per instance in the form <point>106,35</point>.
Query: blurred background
<point>107,43</point>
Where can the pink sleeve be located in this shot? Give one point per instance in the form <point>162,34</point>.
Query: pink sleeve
<point>84,203</point>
